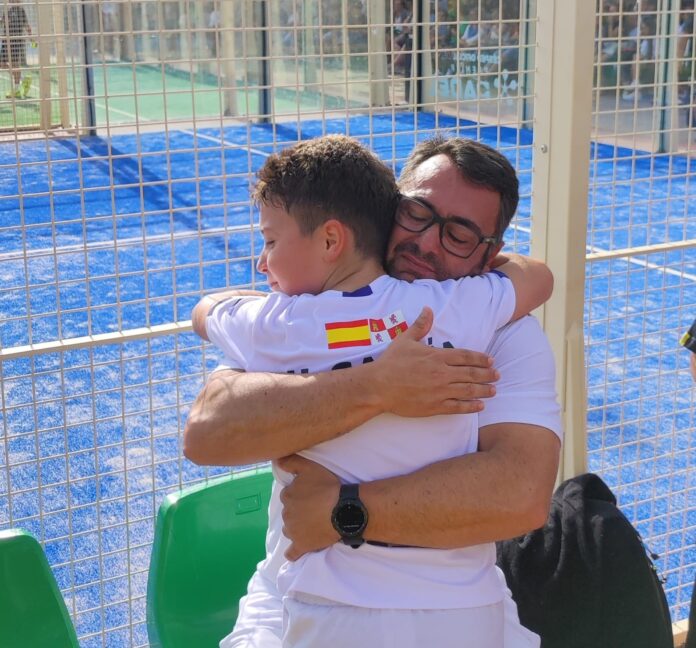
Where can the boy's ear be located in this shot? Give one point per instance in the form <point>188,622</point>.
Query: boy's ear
<point>335,238</point>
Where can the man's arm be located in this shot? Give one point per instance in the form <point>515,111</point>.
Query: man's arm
<point>500,492</point>
<point>241,418</point>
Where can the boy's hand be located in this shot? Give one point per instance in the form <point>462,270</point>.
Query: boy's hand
<point>307,505</point>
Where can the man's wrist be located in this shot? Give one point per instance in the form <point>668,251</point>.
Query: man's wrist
<point>371,388</point>
<point>370,494</point>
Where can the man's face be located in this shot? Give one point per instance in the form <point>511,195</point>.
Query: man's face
<point>420,255</point>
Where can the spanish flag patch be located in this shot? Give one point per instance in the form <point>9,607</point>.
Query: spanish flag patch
<point>340,335</point>
<point>365,332</point>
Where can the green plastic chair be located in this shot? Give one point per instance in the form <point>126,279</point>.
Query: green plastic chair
<point>32,609</point>
<point>208,540</point>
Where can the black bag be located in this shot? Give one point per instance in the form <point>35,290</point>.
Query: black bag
<point>691,635</point>
<point>585,579</point>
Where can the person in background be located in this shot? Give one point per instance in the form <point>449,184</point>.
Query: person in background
<point>402,44</point>
<point>213,28</point>
<point>688,340</point>
<point>13,55</point>
<point>687,61</point>
<point>645,42</point>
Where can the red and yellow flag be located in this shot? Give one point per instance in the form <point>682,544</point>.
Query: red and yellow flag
<point>340,335</point>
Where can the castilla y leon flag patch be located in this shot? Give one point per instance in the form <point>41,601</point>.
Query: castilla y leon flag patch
<point>365,332</point>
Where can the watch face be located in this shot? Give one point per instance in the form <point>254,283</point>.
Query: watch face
<point>350,519</point>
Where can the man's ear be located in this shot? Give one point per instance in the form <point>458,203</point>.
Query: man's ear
<point>336,236</point>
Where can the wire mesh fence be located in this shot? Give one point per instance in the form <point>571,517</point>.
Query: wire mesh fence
<point>125,197</point>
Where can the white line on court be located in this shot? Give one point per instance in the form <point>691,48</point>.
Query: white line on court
<point>194,134</point>
<point>121,243</point>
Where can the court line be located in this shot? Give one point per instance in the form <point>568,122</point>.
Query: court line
<point>125,242</point>
<point>186,131</point>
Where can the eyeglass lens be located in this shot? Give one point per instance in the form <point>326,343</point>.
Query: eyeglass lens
<point>457,237</point>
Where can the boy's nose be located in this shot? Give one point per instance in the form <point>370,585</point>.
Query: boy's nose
<point>261,263</point>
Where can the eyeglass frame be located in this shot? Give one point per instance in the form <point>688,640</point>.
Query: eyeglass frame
<point>441,221</point>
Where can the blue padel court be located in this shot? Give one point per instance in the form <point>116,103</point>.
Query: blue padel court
<point>101,235</point>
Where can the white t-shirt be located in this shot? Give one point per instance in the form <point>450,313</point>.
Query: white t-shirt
<point>525,393</point>
<point>331,330</point>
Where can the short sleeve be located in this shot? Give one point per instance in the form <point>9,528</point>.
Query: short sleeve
<point>229,327</point>
<point>526,391</point>
<point>488,300</point>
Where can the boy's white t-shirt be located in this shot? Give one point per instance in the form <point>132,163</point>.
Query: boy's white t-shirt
<point>333,330</point>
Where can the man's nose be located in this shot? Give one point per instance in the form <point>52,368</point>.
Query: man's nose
<point>429,239</point>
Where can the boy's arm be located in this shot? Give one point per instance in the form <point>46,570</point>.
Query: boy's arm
<point>241,418</point>
<point>532,280</point>
<point>205,305</point>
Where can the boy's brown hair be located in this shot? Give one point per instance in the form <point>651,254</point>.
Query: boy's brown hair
<point>333,177</point>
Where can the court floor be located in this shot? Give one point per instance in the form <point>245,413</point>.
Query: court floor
<point>99,235</point>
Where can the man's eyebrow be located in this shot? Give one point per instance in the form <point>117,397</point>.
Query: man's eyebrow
<point>462,219</point>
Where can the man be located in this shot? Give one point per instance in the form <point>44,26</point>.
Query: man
<point>499,492</point>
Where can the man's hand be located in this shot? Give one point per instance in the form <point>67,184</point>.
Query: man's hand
<point>307,505</point>
<point>415,379</point>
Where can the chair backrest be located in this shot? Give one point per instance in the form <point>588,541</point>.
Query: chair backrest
<point>32,609</point>
<point>208,540</point>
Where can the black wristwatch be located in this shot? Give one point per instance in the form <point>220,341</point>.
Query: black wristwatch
<point>349,516</point>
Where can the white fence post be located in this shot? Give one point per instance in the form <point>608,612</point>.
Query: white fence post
<point>562,123</point>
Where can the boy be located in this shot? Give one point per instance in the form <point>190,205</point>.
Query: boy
<point>325,207</point>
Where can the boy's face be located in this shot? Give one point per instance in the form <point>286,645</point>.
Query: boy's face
<point>291,261</point>
<point>420,255</point>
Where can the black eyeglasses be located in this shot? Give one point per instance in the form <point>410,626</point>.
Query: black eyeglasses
<point>459,236</point>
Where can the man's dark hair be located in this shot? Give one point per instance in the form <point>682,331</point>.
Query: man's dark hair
<point>478,164</point>
<point>333,177</point>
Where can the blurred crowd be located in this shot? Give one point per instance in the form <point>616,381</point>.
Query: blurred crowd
<point>468,38</point>
<point>628,46</point>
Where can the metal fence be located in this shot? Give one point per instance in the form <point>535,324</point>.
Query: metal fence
<point>124,198</point>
